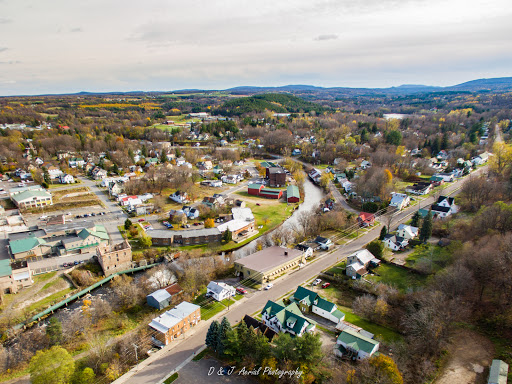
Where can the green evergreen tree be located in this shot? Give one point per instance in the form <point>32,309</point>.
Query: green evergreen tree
<point>54,331</point>
<point>211,335</point>
<point>383,232</point>
<point>46,176</point>
<point>364,136</point>
<point>233,346</point>
<point>416,219</point>
<point>144,151</point>
<point>426,228</point>
<point>163,157</point>
<point>227,236</point>
<point>127,224</point>
<point>222,336</point>
<point>308,349</point>
<point>260,348</point>
<point>444,141</point>
<point>376,248</point>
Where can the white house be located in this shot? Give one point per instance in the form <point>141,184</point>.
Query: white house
<point>76,162</point>
<point>394,242</point>
<point>407,231</point>
<point>365,164</point>
<point>308,300</point>
<point>288,319</point>
<point>358,262</point>
<point>354,345</point>
<point>444,207</point>
<point>179,197</point>
<point>220,291</point>
<point>324,243</point>
<point>66,179</point>
<point>447,177</point>
<point>399,201</point>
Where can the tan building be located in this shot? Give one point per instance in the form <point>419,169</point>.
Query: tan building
<point>114,258</point>
<point>30,197</point>
<point>14,276</point>
<point>269,263</point>
<point>175,322</point>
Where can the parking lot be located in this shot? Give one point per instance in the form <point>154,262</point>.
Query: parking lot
<point>208,370</point>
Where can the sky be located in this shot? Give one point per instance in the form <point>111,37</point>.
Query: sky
<point>66,46</point>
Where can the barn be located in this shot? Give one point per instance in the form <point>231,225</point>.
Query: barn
<point>254,189</point>
<point>292,194</point>
<point>271,193</point>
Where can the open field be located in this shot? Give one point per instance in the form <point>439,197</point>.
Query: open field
<point>379,331</point>
<point>429,258</point>
<point>398,277</point>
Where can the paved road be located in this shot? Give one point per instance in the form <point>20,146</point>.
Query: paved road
<point>154,369</point>
<point>341,199</point>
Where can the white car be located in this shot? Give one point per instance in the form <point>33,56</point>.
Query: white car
<point>317,281</point>
<point>269,286</point>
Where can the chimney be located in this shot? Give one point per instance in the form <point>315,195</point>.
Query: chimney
<point>286,253</point>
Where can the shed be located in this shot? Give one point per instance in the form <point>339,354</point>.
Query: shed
<point>159,299</point>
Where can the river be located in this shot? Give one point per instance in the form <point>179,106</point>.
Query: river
<point>313,195</point>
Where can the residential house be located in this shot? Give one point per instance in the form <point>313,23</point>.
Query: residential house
<point>324,243</point>
<point>365,219</point>
<point>315,175</point>
<point>481,159</point>
<point>98,173</point>
<point>191,212</point>
<point>282,319</point>
<point>52,170</point>
<point>258,326</point>
<point>220,291</point>
<point>175,322</point>
<point>230,179</point>
<point>66,179</point>
<point>421,188</point>
<point>394,242</point>
<point>359,262</point>
<point>444,207</point>
<point>163,297</point>
<point>354,345</point>
<point>310,301</point>
<point>180,197</point>
<point>399,201</point>
<point>407,231</point>
<point>296,152</point>
<point>76,162</point>
<point>346,185</point>
<point>365,164</point>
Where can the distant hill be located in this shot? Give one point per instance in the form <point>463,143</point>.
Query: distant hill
<point>276,102</point>
<point>499,84</point>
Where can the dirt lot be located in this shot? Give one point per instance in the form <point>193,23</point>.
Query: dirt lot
<point>470,355</point>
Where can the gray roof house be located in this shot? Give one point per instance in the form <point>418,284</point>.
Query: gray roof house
<point>498,373</point>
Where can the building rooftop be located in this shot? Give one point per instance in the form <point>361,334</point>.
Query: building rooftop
<point>357,341</point>
<point>269,258</point>
<point>162,233</point>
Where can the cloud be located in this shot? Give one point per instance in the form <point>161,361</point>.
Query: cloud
<point>326,37</point>
<point>3,20</point>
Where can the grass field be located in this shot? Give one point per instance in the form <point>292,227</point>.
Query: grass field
<point>398,277</point>
<point>49,300</point>
<point>385,333</point>
<point>429,258</point>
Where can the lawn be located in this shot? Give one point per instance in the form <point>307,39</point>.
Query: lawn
<point>211,309</point>
<point>429,258</point>
<point>398,277</point>
<point>385,333</point>
<point>338,268</point>
<point>49,301</point>
<point>43,277</point>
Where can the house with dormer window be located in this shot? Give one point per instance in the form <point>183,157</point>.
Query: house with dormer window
<point>282,319</point>
<point>310,301</point>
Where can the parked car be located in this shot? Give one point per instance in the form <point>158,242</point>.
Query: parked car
<point>140,220</point>
<point>269,286</point>
<point>65,265</point>
<point>317,281</point>
<point>325,285</point>
<point>241,290</point>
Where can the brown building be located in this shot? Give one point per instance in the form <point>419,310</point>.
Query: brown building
<point>161,237</point>
<point>14,276</point>
<point>114,258</point>
<point>175,322</point>
<point>276,177</point>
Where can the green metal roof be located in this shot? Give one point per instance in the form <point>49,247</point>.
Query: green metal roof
<point>271,191</point>
<point>254,186</point>
<point>325,305</point>
<point>5,267</point>
<point>24,245</point>
<point>292,191</point>
<point>302,293</point>
<point>356,341</point>
<point>30,195</point>
<point>97,231</point>
<point>436,178</point>
<point>268,164</point>
<point>338,314</point>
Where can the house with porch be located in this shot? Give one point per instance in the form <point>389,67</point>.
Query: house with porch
<point>395,242</point>
<point>311,302</point>
<point>286,319</point>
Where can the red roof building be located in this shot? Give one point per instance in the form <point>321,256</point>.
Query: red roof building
<point>365,219</point>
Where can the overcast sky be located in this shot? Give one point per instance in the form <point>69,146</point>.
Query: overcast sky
<point>55,46</point>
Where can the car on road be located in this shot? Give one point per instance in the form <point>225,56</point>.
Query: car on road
<point>317,281</point>
<point>140,220</point>
<point>241,290</point>
<point>325,285</point>
<point>65,265</point>
<point>268,286</point>
<point>76,262</point>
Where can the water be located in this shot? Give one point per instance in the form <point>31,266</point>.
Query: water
<point>399,116</point>
<point>313,195</point>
